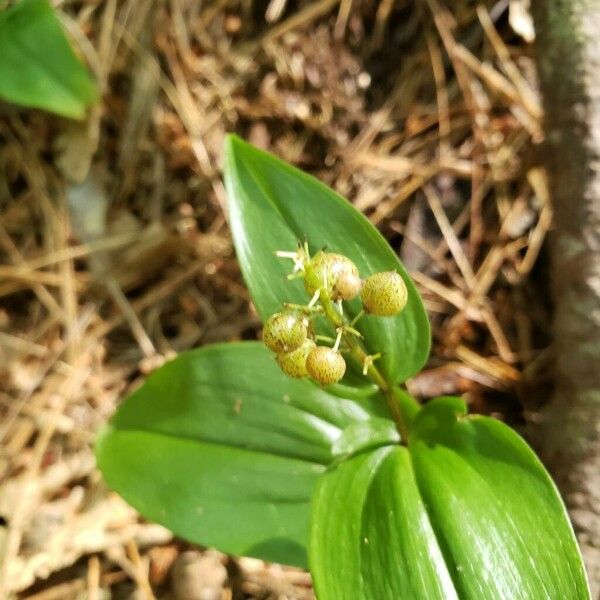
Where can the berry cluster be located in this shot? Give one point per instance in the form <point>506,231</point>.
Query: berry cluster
<point>329,279</point>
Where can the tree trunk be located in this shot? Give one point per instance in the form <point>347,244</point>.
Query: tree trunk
<point>568,55</point>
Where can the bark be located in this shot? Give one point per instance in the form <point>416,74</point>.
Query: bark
<point>568,55</point>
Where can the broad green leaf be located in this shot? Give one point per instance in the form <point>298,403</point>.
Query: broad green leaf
<point>498,515</point>
<point>222,448</point>
<point>272,206</point>
<point>371,537</point>
<point>365,435</point>
<point>38,67</point>
<point>466,511</point>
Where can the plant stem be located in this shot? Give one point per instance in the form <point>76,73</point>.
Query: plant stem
<point>356,350</point>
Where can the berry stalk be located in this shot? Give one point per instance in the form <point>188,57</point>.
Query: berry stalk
<point>355,349</point>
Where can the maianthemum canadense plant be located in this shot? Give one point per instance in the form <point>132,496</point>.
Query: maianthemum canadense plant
<point>240,447</point>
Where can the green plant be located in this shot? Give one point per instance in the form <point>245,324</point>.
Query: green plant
<point>38,67</point>
<point>382,498</point>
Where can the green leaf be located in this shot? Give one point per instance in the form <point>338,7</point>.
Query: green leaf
<point>272,206</point>
<point>466,511</point>
<point>222,448</point>
<point>38,67</point>
<point>365,435</point>
<point>499,517</point>
<point>371,537</point>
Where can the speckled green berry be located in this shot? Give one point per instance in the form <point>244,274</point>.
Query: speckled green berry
<point>325,365</point>
<point>336,273</point>
<point>285,331</point>
<point>348,285</point>
<point>384,294</point>
<point>294,363</point>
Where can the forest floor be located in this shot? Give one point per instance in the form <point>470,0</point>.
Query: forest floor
<point>115,252</point>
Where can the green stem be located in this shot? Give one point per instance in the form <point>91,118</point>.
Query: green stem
<point>356,350</point>
<point>374,374</point>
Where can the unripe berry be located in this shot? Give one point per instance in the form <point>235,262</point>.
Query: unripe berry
<point>285,331</point>
<point>384,294</point>
<point>294,363</point>
<point>347,286</point>
<point>337,273</point>
<point>325,365</point>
